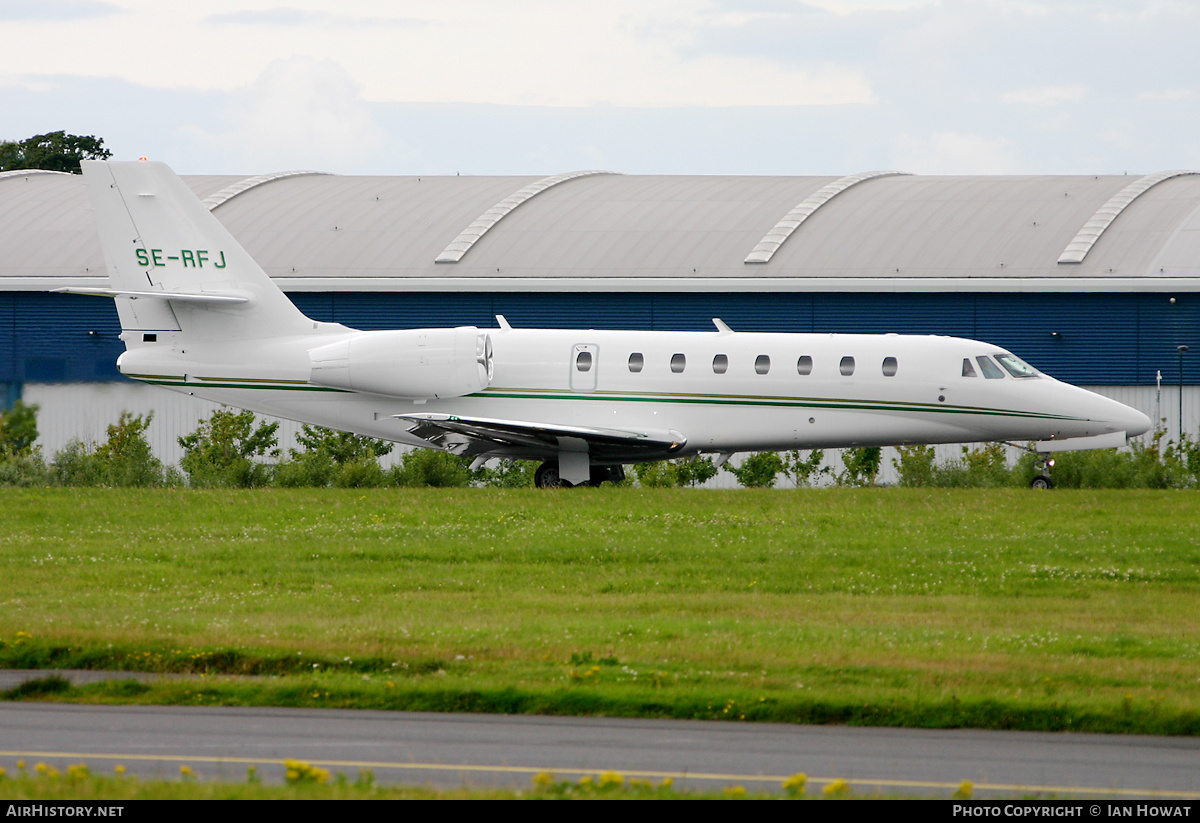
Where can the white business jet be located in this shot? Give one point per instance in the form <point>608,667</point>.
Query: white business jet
<point>199,316</point>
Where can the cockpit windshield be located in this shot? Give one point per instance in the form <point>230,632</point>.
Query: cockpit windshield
<point>1015,365</point>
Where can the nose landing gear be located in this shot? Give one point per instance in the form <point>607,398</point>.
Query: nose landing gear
<point>1042,466</point>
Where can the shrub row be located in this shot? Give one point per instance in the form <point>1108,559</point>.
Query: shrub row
<point>231,449</point>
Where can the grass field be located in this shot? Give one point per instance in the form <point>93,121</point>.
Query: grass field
<point>985,608</point>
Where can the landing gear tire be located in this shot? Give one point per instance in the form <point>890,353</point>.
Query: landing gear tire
<point>547,477</point>
<point>1042,466</point>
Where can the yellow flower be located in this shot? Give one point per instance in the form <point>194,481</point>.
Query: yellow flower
<point>965,790</point>
<point>735,791</point>
<point>795,784</point>
<point>186,772</point>
<point>836,788</point>
<point>611,779</point>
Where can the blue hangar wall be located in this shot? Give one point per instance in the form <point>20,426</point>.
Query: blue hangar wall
<point>1090,339</point>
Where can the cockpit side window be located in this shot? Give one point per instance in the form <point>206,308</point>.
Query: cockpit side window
<point>990,370</point>
<point>1016,366</point>
<point>968,369</point>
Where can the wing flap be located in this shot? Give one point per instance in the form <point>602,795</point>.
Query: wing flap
<point>481,435</point>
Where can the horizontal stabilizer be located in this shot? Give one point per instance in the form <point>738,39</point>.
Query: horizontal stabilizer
<point>185,297</point>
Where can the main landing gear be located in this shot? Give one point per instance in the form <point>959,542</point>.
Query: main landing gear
<point>547,476</point>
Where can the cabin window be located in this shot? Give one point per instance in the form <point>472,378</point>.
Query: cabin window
<point>847,366</point>
<point>720,364</point>
<point>678,362</point>
<point>804,365</point>
<point>636,361</point>
<point>889,367</point>
<point>762,364</point>
<point>583,361</point>
<point>968,369</point>
<point>990,370</point>
<point>1016,366</point>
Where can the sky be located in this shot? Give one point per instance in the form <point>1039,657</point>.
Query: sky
<point>539,87</point>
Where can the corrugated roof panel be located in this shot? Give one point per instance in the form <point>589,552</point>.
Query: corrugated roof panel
<point>462,244</point>
<point>219,198</point>
<point>781,231</point>
<point>349,233</point>
<point>1103,217</point>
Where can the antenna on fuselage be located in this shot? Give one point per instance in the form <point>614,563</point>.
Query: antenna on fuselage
<point>722,327</point>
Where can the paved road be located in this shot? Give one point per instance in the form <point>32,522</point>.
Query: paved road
<point>452,750</point>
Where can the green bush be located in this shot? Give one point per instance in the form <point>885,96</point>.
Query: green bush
<point>757,471</point>
<point>430,467</point>
<point>915,466</point>
<point>333,458</point>
<point>508,474</point>
<point>24,471</point>
<point>684,471</point>
<point>221,451</point>
<point>861,466</point>
<point>361,473</point>
<point>805,471</point>
<point>306,469</point>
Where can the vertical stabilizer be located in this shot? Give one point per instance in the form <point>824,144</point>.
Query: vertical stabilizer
<point>159,239</point>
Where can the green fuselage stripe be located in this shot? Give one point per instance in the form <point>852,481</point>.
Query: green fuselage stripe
<point>260,384</point>
<point>783,402</point>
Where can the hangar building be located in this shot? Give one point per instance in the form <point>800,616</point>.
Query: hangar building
<point>1093,279</point>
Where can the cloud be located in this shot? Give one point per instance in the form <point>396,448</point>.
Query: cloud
<point>951,153</point>
<point>301,112</point>
<point>1045,95</point>
<point>1167,95</point>
<point>32,10</point>
<point>288,16</point>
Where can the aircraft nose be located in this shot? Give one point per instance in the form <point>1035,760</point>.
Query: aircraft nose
<point>1135,422</point>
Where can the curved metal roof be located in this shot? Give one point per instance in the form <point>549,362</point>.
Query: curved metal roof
<point>612,232</point>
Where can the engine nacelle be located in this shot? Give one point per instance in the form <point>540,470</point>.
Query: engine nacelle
<point>428,363</point>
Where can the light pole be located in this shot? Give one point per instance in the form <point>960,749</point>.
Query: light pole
<point>1181,350</point>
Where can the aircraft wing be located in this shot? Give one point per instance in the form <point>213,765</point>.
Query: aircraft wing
<point>472,436</point>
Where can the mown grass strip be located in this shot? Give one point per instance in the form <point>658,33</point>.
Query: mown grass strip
<point>990,609</point>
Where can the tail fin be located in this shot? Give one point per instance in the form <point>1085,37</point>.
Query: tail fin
<point>173,267</point>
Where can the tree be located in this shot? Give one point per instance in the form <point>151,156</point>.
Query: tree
<point>55,151</point>
<point>18,431</point>
<point>342,447</point>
